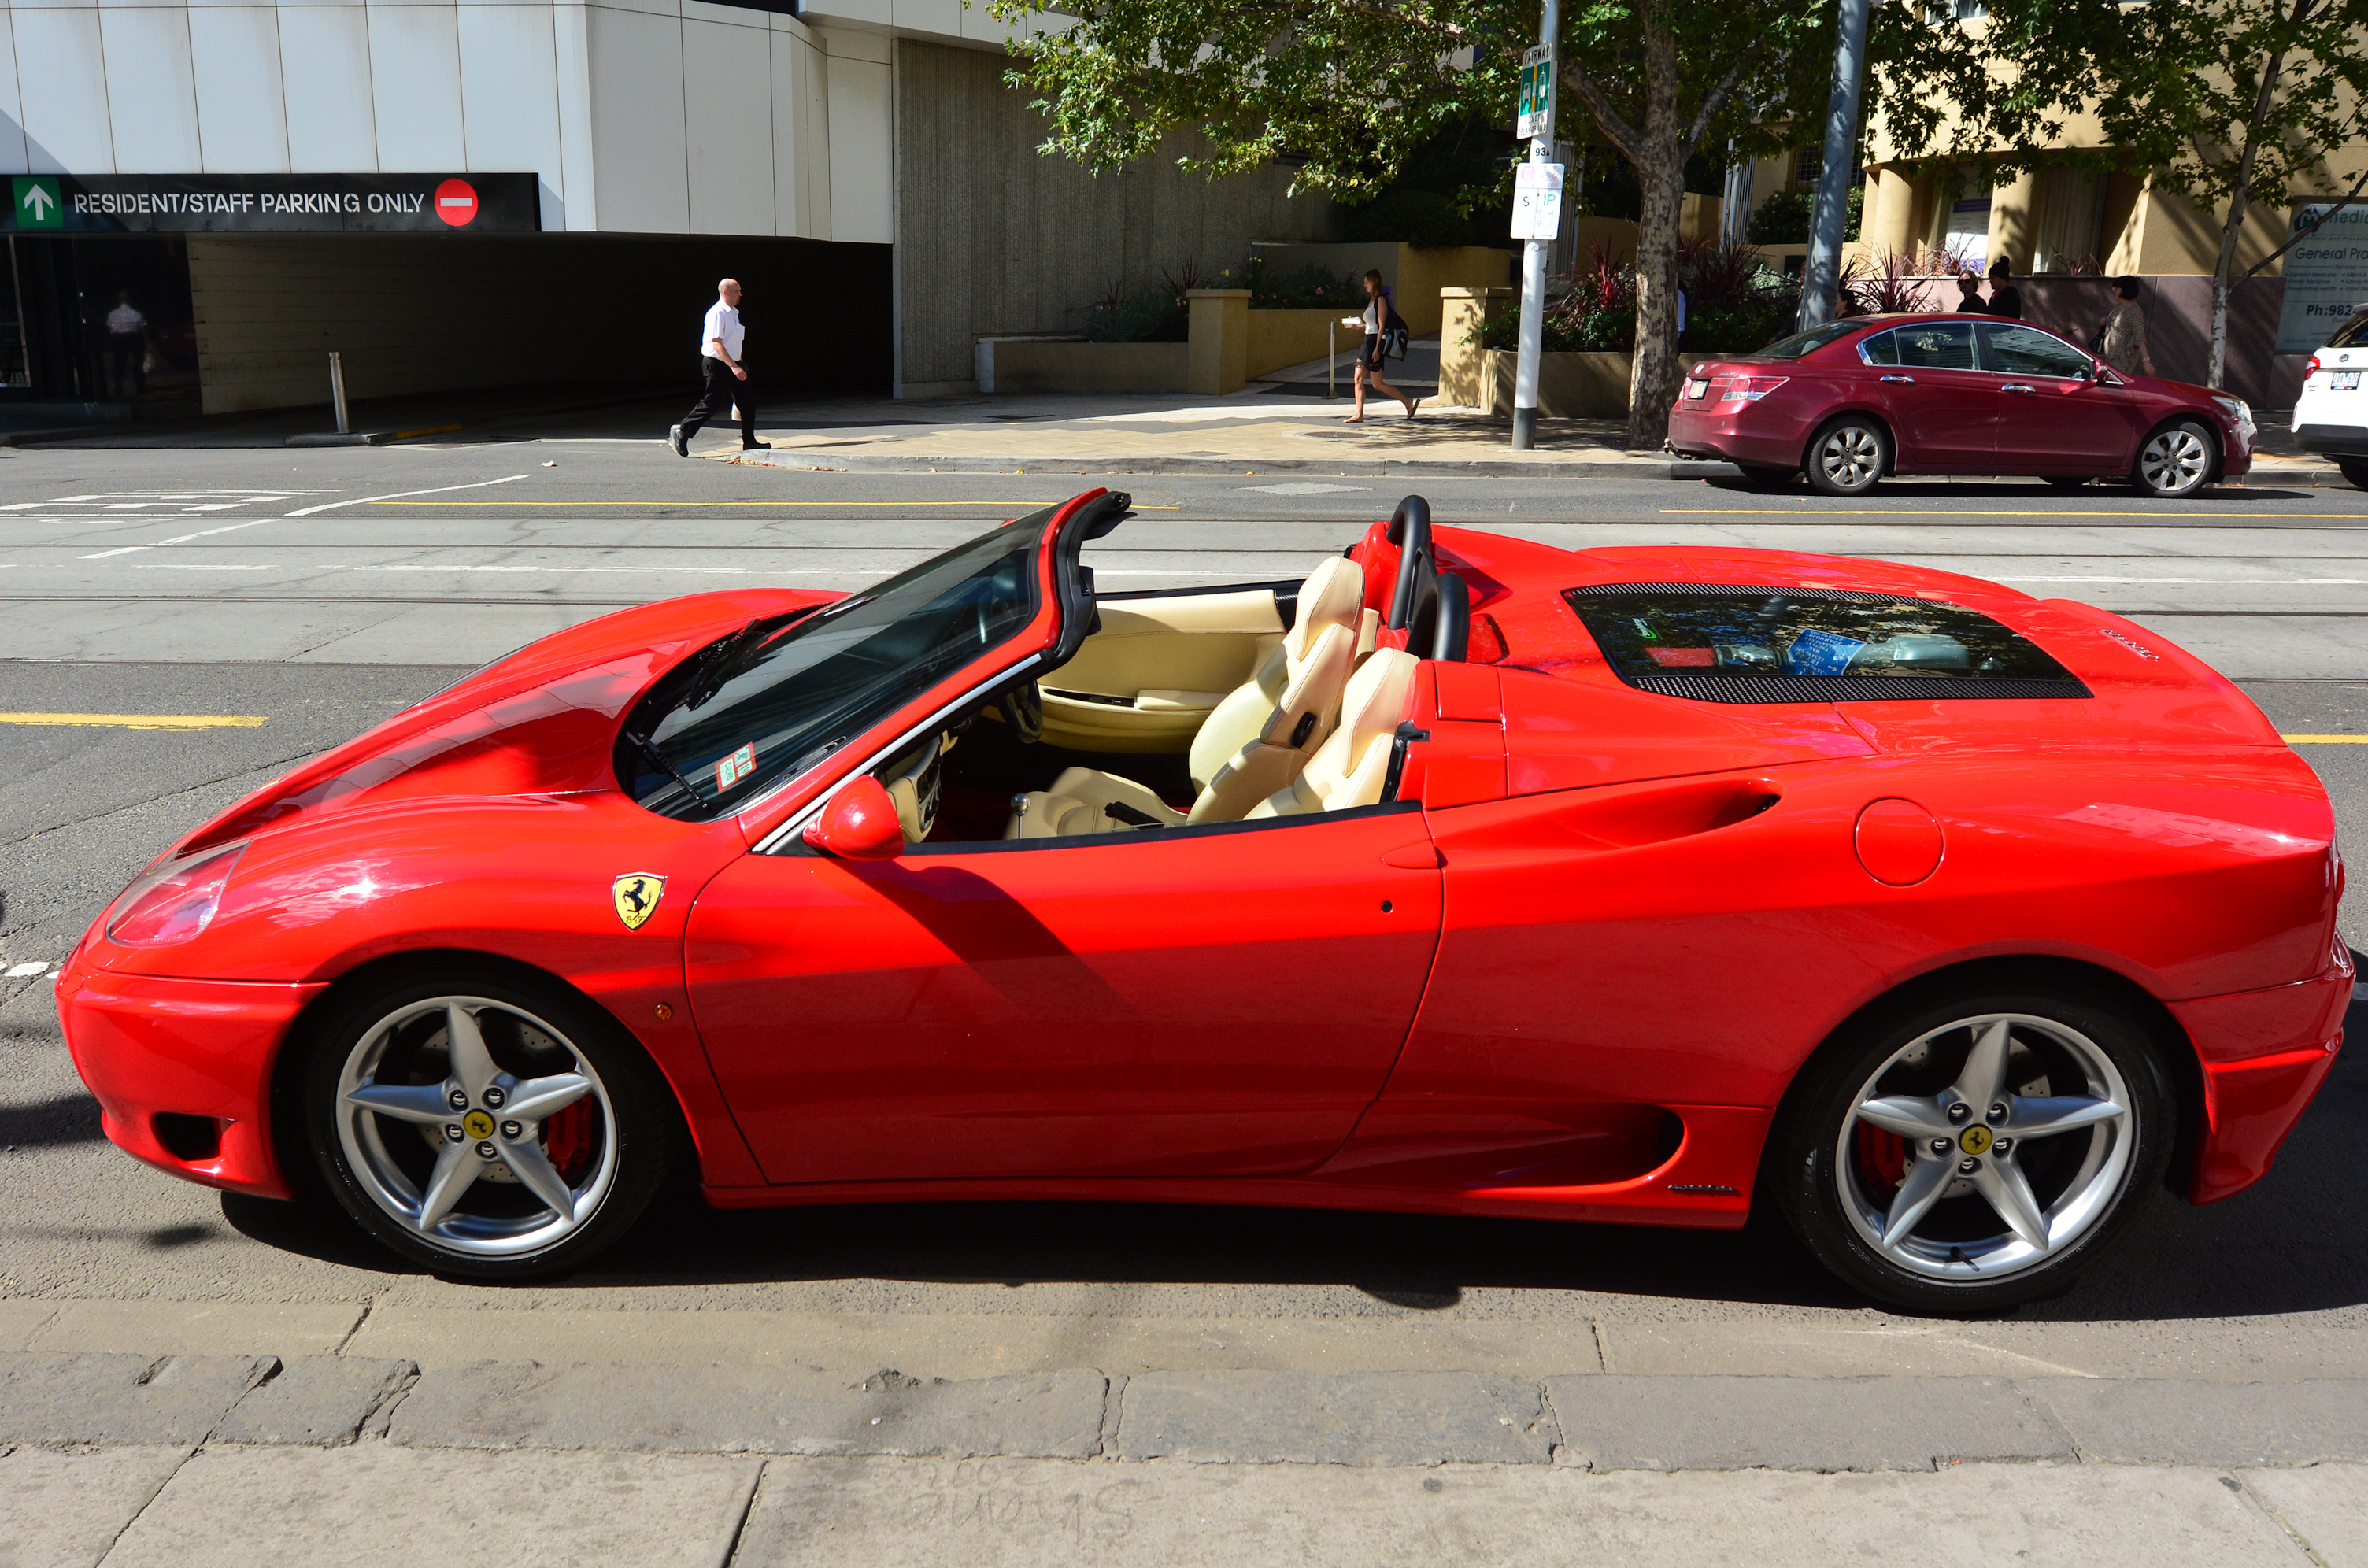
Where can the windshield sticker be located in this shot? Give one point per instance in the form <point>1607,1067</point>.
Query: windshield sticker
<point>1684,658</point>
<point>735,768</point>
<point>1816,653</point>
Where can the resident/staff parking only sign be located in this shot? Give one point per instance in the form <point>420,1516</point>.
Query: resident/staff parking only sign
<point>217,204</point>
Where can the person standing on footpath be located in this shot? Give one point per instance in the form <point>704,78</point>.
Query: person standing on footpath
<point>2006,300</point>
<point>2121,339</point>
<point>1382,323</point>
<point>1969,294</point>
<point>726,377</point>
<point>127,347</point>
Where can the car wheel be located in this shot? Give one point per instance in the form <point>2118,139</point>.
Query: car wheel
<point>2176,460</point>
<point>1977,1154</point>
<point>1848,456</point>
<point>2355,471</point>
<point>484,1127</point>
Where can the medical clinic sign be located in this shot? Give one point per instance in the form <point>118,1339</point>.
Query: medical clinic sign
<point>247,204</point>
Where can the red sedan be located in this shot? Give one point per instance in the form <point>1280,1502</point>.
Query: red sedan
<point>1852,400</point>
<point>1466,875</point>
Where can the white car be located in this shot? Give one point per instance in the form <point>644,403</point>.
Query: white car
<point>2332,416</point>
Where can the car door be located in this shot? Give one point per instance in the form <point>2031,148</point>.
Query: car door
<point>1942,409</point>
<point>2053,417</point>
<point>1204,1001</point>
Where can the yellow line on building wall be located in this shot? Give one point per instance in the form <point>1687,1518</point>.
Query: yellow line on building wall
<point>141,721</point>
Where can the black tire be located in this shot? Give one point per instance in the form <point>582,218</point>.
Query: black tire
<point>2355,472</point>
<point>1848,456</point>
<point>2177,461</point>
<point>1960,1257</point>
<point>625,1140</point>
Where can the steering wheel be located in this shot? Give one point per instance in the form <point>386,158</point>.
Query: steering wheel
<point>1023,709</point>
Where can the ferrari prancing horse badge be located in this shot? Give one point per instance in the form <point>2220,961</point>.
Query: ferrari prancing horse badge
<point>637,897</point>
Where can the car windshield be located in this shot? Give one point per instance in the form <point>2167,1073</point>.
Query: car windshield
<point>2353,334</point>
<point>1719,644</point>
<point>1808,342</point>
<point>775,698</point>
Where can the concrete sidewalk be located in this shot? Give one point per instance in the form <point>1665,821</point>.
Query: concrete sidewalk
<point>251,1461</point>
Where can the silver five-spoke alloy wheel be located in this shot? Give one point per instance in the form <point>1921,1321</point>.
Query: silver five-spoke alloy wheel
<point>2174,462</point>
<point>1848,457</point>
<point>1982,1148</point>
<point>476,1126</point>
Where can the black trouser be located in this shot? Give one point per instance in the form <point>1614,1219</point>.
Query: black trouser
<point>128,355</point>
<point>723,389</point>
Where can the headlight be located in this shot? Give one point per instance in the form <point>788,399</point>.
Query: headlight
<point>175,903</point>
<point>2234,408</point>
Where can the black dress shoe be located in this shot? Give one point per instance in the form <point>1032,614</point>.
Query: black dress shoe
<point>756,446</point>
<point>680,443</point>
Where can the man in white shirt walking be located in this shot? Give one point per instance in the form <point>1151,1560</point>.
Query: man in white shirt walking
<point>127,348</point>
<point>726,377</point>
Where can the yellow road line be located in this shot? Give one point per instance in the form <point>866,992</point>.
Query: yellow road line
<point>1938,511</point>
<point>2325,740</point>
<point>141,721</point>
<point>1175,509</point>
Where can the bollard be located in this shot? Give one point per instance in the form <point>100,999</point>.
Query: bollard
<point>1332,358</point>
<point>338,391</point>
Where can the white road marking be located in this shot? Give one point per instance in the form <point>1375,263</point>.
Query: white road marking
<point>124,550</point>
<point>432,490</point>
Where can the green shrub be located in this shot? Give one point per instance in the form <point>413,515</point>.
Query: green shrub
<point>1783,219</point>
<point>1155,315</point>
<point>1422,219</point>
<point>1311,287</point>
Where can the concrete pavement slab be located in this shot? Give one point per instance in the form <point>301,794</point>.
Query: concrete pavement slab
<point>21,1319</point>
<point>380,1506</point>
<point>2326,1505</point>
<point>1822,1423</point>
<point>316,1399</point>
<point>2166,1421</point>
<point>723,1410</point>
<point>1378,1419</point>
<point>64,1510</point>
<point>978,1344</point>
<point>150,1327</point>
<point>120,1399</point>
<point>2230,1350</point>
<point>1007,1514</point>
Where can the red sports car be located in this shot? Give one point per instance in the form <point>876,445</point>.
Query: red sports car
<point>1852,400</point>
<point>1468,876</point>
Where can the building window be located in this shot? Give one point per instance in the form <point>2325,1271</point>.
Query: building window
<point>1941,13</point>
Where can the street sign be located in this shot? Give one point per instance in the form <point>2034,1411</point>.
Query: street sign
<point>38,204</point>
<point>1537,93</point>
<point>217,204</point>
<point>1537,201</point>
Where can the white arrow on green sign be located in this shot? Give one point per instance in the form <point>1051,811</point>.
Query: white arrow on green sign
<point>38,204</point>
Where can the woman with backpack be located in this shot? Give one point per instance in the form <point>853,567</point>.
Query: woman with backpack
<point>1385,338</point>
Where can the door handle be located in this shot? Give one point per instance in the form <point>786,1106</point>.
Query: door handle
<point>1903,381</point>
<point>2018,386</point>
<point>1414,858</point>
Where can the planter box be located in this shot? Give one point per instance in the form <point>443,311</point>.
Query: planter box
<point>1008,365</point>
<point>1293,337</point>
<point>1416,277</point>
<point>1576,386</point>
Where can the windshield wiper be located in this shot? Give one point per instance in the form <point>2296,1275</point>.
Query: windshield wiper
<point>648,748</point>
<point>701,690</point>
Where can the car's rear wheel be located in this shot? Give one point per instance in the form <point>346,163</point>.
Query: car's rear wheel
<point>1978,1151</point>
<point>485,1126</point>
<point>2355,470</point>
<point>1848,456</point>
<point>2175,460</point>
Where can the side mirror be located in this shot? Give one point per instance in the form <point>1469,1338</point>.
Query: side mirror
<point>859,824</point>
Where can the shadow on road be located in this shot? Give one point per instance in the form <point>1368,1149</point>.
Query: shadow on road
<point>2101,492</point>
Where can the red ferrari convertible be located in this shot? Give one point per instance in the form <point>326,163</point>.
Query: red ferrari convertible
<point>1468,875</point>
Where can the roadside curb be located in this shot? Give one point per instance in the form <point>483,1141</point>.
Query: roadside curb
<point>812,462</point>
<point>366,437</point>
<point>1593,1421</point>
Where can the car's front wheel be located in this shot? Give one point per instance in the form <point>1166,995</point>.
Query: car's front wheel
<point>2176,460</point>
<point>1848,456</point>
<point>486,1126</point>
<point>1978,1151</point>
<point>2355,471</point>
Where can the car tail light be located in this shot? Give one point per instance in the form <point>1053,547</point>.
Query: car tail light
<point>2310,370</point>
<point>174,902</point>
<point>1751,389</point>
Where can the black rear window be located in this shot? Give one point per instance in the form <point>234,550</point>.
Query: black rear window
<point>2351,333</point>
<point>1717,642</point>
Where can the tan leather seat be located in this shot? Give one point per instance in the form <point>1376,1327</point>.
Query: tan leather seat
<point>1350,767</point>
<point>1251,745</point>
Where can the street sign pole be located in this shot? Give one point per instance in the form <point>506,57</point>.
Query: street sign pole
<point>1538,126</point>
<point>1821,283</point>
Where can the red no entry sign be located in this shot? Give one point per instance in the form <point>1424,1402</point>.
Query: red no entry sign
<point>456,202</point>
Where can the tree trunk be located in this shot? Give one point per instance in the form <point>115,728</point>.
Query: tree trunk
<point>2240,194</point>
<point>1661,174</point>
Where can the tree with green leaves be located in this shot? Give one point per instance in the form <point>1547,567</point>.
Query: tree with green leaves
<point>1348,87</point>
<point>2229,103</point>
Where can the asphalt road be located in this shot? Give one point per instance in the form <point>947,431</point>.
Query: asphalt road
<point>320,590</point>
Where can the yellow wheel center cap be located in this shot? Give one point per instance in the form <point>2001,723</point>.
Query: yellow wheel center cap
<point>1975,1140</point>
<point>480,1124</point>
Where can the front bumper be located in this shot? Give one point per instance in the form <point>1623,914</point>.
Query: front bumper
<point>2264,1054</point>
<point>187,1052</point>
